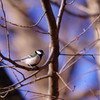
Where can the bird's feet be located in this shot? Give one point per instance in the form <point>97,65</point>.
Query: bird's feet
<point>34,67</point>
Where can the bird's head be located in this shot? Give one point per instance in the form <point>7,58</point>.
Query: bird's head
<point>39,52</point>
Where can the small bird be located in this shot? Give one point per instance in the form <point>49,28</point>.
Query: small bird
<point>32,59</point>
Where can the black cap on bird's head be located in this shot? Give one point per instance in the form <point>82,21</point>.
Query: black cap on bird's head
<point>39,52</point>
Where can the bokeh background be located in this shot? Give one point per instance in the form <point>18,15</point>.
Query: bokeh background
<point>83,75</point>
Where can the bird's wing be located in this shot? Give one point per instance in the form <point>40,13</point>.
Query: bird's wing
<point>26,57</point>
<point>29,56</point>
<point>19,60</point>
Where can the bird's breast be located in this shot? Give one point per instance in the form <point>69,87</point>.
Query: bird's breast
<point>32,60</point>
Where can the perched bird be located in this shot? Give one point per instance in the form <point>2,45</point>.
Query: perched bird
<point>32,59</point>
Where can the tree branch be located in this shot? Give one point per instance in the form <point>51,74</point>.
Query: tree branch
<point>73,14</point>
<point>7,33</point>
<point>14,63</point>
<point>60,14</point>
<point>54,43</point>
<point>24,26</point>
<point>83,51</point>
<point>81,34</point>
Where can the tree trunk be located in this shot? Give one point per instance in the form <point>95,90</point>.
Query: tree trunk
<point>54,43</point>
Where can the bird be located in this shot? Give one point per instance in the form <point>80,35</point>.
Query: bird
<point>33,59</point>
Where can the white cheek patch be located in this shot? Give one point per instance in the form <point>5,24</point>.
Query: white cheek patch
<point>38,52</point>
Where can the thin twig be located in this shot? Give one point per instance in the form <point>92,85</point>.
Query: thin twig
<point>92,92</point>
<point>28,68</point>
<point>7,33</point>
<point>24,26</point>
<point>60,14</point>
<point>19,72</point>
<point>37,79</point>
<point>84,74</point>
<point>83,51</point>
<point>14,63</point>
<point>3,96</point>
<point>53,97</point>
<point>12,87</point>
<point>92,55</point>
<point>73,14</point>
<point>80,76</point>
<point>15,76</point>
<point>63,81</point>
<point>63,69</point>
<point>38,31</point>
<point>39,94</point>
<point>82,33</point>
<point>7,66</point>
<point>70,3</point>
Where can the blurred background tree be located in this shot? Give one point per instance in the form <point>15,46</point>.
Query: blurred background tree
<point>73,73</point>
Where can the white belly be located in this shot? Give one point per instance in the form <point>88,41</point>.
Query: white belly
<point>31,61</point>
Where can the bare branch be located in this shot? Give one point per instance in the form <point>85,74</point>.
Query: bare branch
<point>27,68</point>
<point>24,26</point>
<point>7,33</point>
<point>81,76</point>
<point>3,96</point>
<point>92,55</point>
<point>52,63</point>
<point>81,34</point>
<point>12,87</point>
<point>37,31</point>
<point>76,15</point>
<point>19,72</point>
<point>63,81</point>
<point>83,51</point>
<point>14,63</point>
<point>40,94</point>
<point>70,3</point>
<point>60,14</point>
<point>54,43</point>
<point>15,76</point>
